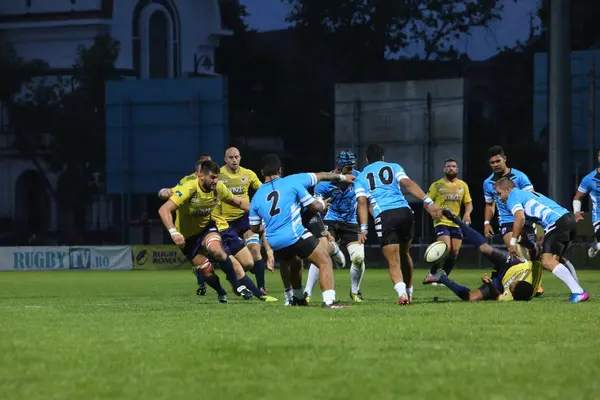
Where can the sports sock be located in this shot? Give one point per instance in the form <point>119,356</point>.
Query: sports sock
<point>311,280</point>
<point>214,282</point>
<point>562,273</point>
<point>355,278</point>
<point>400,288</point>
<point>476,238</point>
<point>199,276</point>
<point>329,296</point>
<point>227,268</point>
<point>259,273</point>
<point>288,294</point>
<point>449,263</point>
<point>409,291</point>
<point>246,281</point>
<point>571,268</point>
<point>459,290</point>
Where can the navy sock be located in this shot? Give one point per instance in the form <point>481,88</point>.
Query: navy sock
<point>449,264</point>
<point>433,269</point>
<point>259,273</point>
<point>199,276</point>
<point>214,282</point>
<point>474,237</point>
<point>227,268</point>
<point>459,290</point>
<point>246,281</point>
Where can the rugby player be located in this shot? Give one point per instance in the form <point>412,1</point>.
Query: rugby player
<point>341,223</point>
<point>590,184</point>
<point>239,181</point>
<point>450,192</point>
<point>278,203</point>
<point>512,279</point>
<point>165,194</point>
<point>379,183</point>
<point>199,237</point>
<point>559,230</point>
<point>497,161</point>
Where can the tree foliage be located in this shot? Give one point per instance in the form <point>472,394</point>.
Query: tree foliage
<point>383,28</point>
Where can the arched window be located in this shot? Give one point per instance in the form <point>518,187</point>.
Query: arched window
<point>158,54</point>
<point>156,39</point>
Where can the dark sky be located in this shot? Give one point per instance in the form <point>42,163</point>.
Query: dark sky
<point>270,14</point>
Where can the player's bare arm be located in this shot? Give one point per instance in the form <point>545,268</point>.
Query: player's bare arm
<point>331,177</point>
<point>467,215</point>
<point>363,217</point>
<point>413,188</point>
<point>270,256</point>
<point>316,207</point>
<point>490,209</point>
<point>238,202</point>
<point>166,215</point>
<point>577,205</point>
<point>517,229</point>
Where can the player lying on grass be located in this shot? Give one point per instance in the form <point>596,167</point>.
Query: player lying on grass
<point>512,279</point>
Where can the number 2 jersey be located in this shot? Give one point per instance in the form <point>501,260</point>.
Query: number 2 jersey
<point>379,182</point>
<point>278,204</point>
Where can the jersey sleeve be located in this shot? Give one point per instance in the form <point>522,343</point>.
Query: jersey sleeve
<point>432,193</point>
<point>181,193</point>
<point>487,194</point>
<point>303,196</point>
<point>514,203</point>
<point>255,183</point>
<point>223,194</point>
<point>399,173</point>
<point>253,216</point>
<point>584,186</point>
<point>360,187</point>
<point>467,198</point>
<point>322,189</point>
<point>524,183</point>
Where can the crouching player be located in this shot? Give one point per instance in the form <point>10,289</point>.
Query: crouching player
<point>512,279</point>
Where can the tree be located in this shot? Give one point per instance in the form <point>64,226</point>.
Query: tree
<point>378,29</point>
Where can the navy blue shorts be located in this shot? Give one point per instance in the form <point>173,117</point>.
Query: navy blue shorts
<point>240,225</point>
<point>193,244</point>
<point>452,231</point>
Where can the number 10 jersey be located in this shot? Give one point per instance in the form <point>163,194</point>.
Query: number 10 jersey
<point>380,184</point>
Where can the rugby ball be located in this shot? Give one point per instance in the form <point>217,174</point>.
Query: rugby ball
<point>435,252</point>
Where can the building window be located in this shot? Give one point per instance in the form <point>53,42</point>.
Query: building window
<point>156,39</point>
<point>158,54</point>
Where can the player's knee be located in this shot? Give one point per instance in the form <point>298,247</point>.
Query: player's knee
<point>357,254</point>
<point>206,268</point>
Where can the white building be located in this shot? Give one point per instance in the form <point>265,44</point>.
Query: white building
<point>159,39</point>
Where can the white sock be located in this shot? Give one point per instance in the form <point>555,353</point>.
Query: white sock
<point>400,288</point>
<point>562,273</point>
<point>289,294</point>
<point>355,278</point>
<point>409,291</point>
<point>336,249</point>
<point>597,246</point>
<point>313,278</point>
<point>571,268</point>
<point>329,296</point>
<point>298,293</point>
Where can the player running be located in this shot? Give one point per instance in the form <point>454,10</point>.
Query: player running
<point>497,161</point>
<point>278,204</point>
<point>512,279</point>
<point>239,181</point>
<point>196,233</point>
<point>559,228</point>
<point>341,222</point>
<point>165,194</point>
<point>450,192</point>
<point>379,183</point>
<point>590,184</point>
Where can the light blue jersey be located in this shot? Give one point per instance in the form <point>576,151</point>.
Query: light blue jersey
<point>278,204</point>
<point>521,182</point>
<point>380,184</point>
<point>342,207</point>
<point>590,184</point>
<point>535,205</point>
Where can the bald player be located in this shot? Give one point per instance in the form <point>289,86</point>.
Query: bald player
<point>239,181</point>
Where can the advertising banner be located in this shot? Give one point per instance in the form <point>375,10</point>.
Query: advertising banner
<point>159,257</point>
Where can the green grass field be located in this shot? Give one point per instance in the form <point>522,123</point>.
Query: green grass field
<point>145,335</point>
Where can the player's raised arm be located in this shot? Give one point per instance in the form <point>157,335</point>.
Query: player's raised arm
<point>330,176</point>
<point>580,194</point>
<point>413,188</point>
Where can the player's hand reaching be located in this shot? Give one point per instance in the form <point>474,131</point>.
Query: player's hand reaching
<point>270,261</point>
<point>434,211</point>
<point>486,279</point>
<point>488,231</point>
<point>513,250</point>
<point>349,178</point>
<point>363,237</point>
<point>579,216</point>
